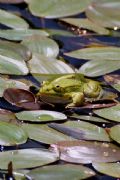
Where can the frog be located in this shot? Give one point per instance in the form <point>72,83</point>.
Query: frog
<point>73,87</point>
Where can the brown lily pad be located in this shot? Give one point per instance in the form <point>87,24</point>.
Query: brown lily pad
<point>113,80</point>
<point>21,98</point>
<point>87,152</point>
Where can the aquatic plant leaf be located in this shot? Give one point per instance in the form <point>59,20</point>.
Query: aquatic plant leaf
<point>6,115</point>
<point>64,172</point>
<point>85,23</point>
<point>110,169</point>
<point>42,65</point>
<point>105,13</point>
<point>113,80</point>
<point>111,113</point>
<point>11,134</point>
<point>87,151</point>
<point>21,98</point>
<point>81,130</point>
<point>20,34</point>
<point>96,68</point>
<point>90,118</point>
<point>40,116</point>
<point>115,133</point>
<point>41,45</point>
<point>12,20</point>
<point>27,158</point>
<point>11,1</point>
<point>44,134</point>
<point>53,9</point>
<point>97,53</point>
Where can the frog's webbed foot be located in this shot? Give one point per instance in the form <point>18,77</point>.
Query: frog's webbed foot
<point>77,99</point>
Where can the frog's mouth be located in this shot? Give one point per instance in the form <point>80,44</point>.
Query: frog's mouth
<point>55,99</point>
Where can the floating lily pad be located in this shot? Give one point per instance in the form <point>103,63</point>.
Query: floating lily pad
<point>90,118</point>
<point>42,65</point>
<point>110,169</point>
<point>41,45</point>
<point>6,115</point>
<point>11,20</point>
<point>82,130</point>
<point>64,172</point>
<point>53,9</point>
<point>113,80</point>
<point>96,68</point>
<point>111,113</point>
<point>44,134</point>
<point>40,116</point>
<point>11,134</point>
<point>115,133</point>
<point>27,158</point>
<point>105,13</point>
<point>87,152</point>
<point>97,53</point>
<point>86,24</point>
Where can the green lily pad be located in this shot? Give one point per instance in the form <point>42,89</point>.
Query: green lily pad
<point>115,133</point>
<point>53,9</point>
<point>40,116</point>
<point>113,80</point>
<point>27,158</point>
<point>11,134</point>
<point>44,134</point>
<point>111,113</point>
<point>87,152</point>
<point>86,24</point>
<point>110,169</point>
<point>89,118</point>
<point>20,34</point>
<point>82,130</point>
<point>105,13</point>
<point>96,68</point>
<point>64,172</point>
<point>97,53</point>
<point>12,20</point>
<point>43,65</point>
<point>41,45</point>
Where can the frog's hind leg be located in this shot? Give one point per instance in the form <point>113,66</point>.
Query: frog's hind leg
<point>77,99</point>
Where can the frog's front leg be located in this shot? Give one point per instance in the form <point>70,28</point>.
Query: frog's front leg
<point>77,99</point>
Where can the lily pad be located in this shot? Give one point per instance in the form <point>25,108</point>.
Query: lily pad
<point>115,133</point>
<point>6,115</point>
<point>27,158</point>
<point>113,80</point>
<point>11,134</point>
<point>40,116</point>
<point>96,68</point>
<point>82,130</point>
<point>64,172</point>
<point>90,118</point>
<point>20,34</point>
<point>41,45</point>
<point>44,134</point>
<point>42,65</point>
<point>110,169</point>
<point>87,152</point>
<point>53,9</point>
<point>105,13</point>
<point>111,113</point>
<point>97,53</point>
<point>11,20</point>
<point>86,24</point>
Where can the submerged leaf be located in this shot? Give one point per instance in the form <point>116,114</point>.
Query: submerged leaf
<point>61,172</point>
<point>111,113</point>
<point>87,152</point>
<point>53,9</point>
<point>27,158</point>
<point>110,169</point>
<point>40,116</point>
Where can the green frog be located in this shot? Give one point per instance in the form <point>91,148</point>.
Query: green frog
<point>72,89</point>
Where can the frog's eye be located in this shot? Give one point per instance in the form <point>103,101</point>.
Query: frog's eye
<point>57,88</point>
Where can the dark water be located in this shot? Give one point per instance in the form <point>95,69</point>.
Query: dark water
<point>66,44</point>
